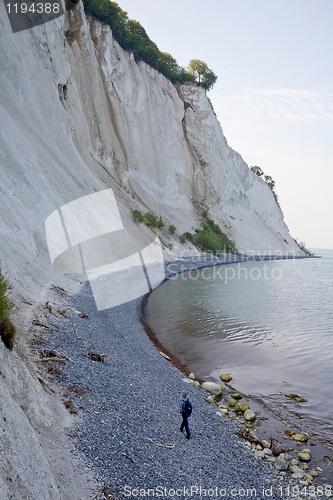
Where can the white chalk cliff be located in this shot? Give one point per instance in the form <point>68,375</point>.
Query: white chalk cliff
<point>79,115</point>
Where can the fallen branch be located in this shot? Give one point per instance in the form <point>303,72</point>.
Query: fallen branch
<point>162,445</point>
<point>60,290</point>
<point>164,355</point>
<point>25,301</point>
<point>55,358</point>
<point>75,332</point>
<point>130,458</point>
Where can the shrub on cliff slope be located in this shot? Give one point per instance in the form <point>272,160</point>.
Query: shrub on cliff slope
<point>267,178</point>
<point>7,329</point>
<point>210,238</point>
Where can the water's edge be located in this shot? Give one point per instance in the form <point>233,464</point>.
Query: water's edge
<point>321,452</point>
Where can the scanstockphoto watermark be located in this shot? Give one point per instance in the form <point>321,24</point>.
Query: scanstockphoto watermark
<point>198,491</point>
<point>209,266</point>
<point>230,273</point>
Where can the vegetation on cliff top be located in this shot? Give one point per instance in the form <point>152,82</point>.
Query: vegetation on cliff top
<point>132,36</point>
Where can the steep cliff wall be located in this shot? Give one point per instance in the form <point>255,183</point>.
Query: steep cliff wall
<point>79,115</point>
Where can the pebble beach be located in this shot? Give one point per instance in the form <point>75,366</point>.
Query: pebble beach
<point>127,412</point>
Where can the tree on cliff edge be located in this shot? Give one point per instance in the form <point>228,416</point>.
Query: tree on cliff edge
<point>203,75</point>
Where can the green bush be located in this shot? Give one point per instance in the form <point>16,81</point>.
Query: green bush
<point>7,329</point>
<point>160,222</point>
<point>210,238</point>
<point>137,216</point>
<point>172,229</point>
<point>151,219</point>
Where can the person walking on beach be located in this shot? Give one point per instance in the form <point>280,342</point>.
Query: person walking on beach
<point>186,410</point>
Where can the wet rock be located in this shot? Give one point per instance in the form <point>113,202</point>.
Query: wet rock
<point>297,398</point>
<point>314,473</point>
<point>309,478</point>
<point>268,452</point>
<point>294,461</point>
<point>215,389</point>
<point>300,437</point>
<point>281,463</point>
<point>191,375</point>
<point>259,454</point>
<point>289,433</point>
<point>210,399</point>
<point>196,383</point>
<point>293,469</point>
<point>266,444</point>
<point>232,403</point>
<point>241,406</point>
<point>306,450</point>
<point>305,457</point>
<point>297,475</point>
<point>225,377</point>
<point>236,396</point>
<point>249,415</point>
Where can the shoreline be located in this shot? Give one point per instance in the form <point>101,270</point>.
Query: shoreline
<point>138,389</point>
<point>127,409</point>
<point>320,450</point>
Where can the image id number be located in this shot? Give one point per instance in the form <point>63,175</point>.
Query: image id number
<point>38,8</point>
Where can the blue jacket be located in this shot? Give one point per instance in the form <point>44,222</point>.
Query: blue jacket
<point>182,404</point>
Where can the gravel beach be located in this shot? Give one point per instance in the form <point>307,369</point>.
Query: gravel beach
<point>128,420</point>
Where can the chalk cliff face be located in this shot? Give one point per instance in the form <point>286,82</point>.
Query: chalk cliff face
<point>78,116</point>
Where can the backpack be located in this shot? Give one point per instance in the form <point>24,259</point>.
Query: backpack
<point>187,407</point>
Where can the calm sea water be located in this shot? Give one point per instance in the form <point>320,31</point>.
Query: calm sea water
<point>268,324</point>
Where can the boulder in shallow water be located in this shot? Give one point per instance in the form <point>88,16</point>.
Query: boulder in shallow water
<point>236,396</point>
<point>249,415</point>
<point>300,437</point>
<point>289,433</point>
<point>191,375</point>
<point>241,406</point>
<point>306,450</point>
<point>215,389</point>
<point>305,457</point>
<point>297,398</point>
<point>266,444</point>
<point>225,377</point>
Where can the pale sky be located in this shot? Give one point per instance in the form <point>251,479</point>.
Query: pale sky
<point>274,93</point>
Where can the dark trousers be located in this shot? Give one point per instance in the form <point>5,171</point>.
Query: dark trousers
<point>185,424</point>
